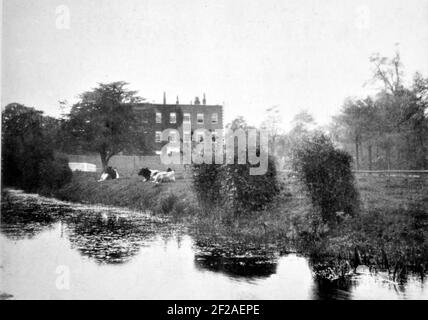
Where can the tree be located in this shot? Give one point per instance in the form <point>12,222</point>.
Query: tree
<point>238,123</point>
<point>388,71</point>
<point>358,117</point>
<point>103,120</point>
<point>393,122</point>
<point>28,159</point>
<point>272,124</point>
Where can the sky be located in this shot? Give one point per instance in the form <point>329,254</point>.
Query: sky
<point>247,55</point>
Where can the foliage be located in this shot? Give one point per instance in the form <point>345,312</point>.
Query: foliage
<point>241,192</point>
<point>326,173</point>
<point>232,186</point>
<point>103,120</point>
<point>206,183</point>
<point>28,160</point>
<point>390,129</point>
<point>54,174</point>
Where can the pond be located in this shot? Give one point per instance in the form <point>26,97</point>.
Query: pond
<point>57,250</point>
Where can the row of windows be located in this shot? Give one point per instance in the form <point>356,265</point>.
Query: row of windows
<point>186,118</point>
<point>186,136</point>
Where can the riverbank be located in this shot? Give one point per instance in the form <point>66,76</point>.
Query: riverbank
<point>390,233</point>
<point>276,224</point>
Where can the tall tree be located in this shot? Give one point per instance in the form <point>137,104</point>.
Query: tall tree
<point>388,71</point>
<point>358,117</point>
<point>272,124</point>
<point>394,121</point>
<point>104,121</point>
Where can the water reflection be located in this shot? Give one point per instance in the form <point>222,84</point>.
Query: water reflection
<point>115,253</point>
<point>235,261</point>
<point>26,219</point>
<point>326,290</point>
<point>101,234</point>
<point>109,238</point>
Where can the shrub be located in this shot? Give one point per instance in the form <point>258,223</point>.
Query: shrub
<point>232,186</point>
<point>243,192</point>
<point>206,183</point>
<point>54,174</point>
<point>326,172</point>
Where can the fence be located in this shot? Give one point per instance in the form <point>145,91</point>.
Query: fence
<point>82,166</point>
<point>394,173</point>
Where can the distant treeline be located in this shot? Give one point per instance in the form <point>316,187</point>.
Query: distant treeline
<point>389,130</point>
<point>385,131</point>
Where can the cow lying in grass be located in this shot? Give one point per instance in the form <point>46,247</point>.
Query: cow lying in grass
<point>165,176</point>
<point>157,176</point>
<point>148,174</point>
<point>109,173</point>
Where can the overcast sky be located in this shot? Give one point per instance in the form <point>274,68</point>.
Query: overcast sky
<point>249,55</point>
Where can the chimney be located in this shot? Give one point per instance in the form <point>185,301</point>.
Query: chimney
<point>204,100</point>
<point>164,97</point>
<point>197,100</point>
<point>177,102</point>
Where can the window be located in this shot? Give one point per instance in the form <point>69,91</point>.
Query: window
<point>186,118</point>
<point>145,117</point>
<point>200,118</point>
<point>214,118</point>
<point>158,136</point>
<point>158,117</point>
<point>172,117</point>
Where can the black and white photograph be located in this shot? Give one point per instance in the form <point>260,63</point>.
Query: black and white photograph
<point>234,150</point>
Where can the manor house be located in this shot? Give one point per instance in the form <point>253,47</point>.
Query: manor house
<point>185,118</point>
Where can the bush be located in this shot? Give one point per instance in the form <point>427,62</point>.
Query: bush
<point>206,183</point>
<point>232,186</point>
<point>243,192</point>
<point>54,174</point>
<point>326,172</point>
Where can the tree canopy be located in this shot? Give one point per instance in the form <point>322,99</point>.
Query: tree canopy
<point>389,130</point>
<point>103,120</point>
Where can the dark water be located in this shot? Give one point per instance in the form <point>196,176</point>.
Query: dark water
<point>55,250</point>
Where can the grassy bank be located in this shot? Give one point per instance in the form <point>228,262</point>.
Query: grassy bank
<point>391,231</point>
<point>130,192</point>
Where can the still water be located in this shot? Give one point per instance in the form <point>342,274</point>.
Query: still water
<point>57,250</point>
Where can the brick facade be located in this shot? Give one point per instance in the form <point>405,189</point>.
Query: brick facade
<point>155,118</point>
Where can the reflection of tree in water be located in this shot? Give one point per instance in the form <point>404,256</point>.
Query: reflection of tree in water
<point>106,236</point>
<point>325,289</point>
<point>235,261</point>
<point>25,219</point>
<point>109,238</point>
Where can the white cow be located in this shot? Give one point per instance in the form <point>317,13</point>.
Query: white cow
<point>164,176</point>
<point>109,173</point>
